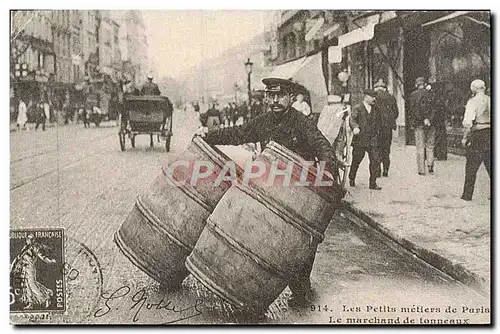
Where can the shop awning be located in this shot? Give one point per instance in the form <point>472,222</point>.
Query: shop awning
<point>288,70</point>
<point>446,17</point>
<point>306,71</point>
<point>310,75</point>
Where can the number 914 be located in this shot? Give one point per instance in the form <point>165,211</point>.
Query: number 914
<point>320,308</point>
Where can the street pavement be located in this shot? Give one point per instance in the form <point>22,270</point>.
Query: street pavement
<point>426,214</point>
<point>78,179</point>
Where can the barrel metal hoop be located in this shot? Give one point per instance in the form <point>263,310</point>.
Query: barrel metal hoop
<point>240,248</point>
<point>135,259</point>
<point>312,172</point>
<point>297,221</point>
<point>215,155</point>
<point>192,263</point>
<point>155,221</point>
<point>191,192</point>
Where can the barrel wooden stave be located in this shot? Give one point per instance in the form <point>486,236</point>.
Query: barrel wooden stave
<point>167,219</point>
<point>249,272</point>
<point>259,237</point>
<point>145,245</point>
<point>220,268</point>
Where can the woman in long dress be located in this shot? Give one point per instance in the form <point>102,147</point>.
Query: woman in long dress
<point>24,270</point>
<point>22,115</point>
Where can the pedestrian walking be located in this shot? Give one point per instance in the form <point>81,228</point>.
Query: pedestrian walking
<point>22,115</point>
<point>290,128</point>
<point>387,106</point>
<point>46,110</point>
<point>477,136</point>
<point>301,105</point>
<point>233,112</point>
<point>365,122</point>
<point>422,116</point>
<point>439,104</point>
<point>213,117</point>
<point>41,117</point>
<point>243,111</point>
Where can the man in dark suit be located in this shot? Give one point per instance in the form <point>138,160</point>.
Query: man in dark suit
<point>366,123</point>
<point>388,108</point>
<point>292,129</point>
<point>422,115</point>
<point>150,88</point>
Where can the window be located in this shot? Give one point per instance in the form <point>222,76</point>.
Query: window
<point>284,49</point>
<point>291,51</point>
<point>41,59</point>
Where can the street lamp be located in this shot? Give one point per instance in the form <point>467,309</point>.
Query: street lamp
<point>248,68</point>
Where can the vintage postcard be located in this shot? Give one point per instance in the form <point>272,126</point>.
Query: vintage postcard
<point>250,167</point>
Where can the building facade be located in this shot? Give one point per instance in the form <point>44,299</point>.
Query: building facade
<point>52,52</point>
<point>134,46</point>
<point>449,48</point>
<point>32,54</point>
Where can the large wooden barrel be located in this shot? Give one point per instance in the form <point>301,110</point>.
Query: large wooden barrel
<point>260,236</point>
<point>167,219</point>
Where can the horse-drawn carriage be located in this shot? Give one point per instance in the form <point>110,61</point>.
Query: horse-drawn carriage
<point>146,115</point>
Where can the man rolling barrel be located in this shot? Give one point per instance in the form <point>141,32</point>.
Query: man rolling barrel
<point>292,129</point>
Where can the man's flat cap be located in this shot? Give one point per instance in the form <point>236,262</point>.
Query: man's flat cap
<point>420,81</point>
<point>380,83</point>
<point>282,85</point>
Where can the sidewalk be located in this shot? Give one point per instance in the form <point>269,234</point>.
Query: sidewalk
<point>425,214</point>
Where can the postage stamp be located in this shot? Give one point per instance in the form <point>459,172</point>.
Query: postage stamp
<point>37,282</point>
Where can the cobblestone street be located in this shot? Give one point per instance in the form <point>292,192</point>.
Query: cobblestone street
<point>78,179</point>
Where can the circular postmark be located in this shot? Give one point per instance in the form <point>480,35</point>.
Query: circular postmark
<point>83,281</point>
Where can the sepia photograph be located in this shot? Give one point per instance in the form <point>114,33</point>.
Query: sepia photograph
<point>230,166</point>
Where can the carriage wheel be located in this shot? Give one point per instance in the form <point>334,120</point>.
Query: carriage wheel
<point>151,140</point>
<point>167,143</point>
<point>122,141</point>
<point>132,140</point>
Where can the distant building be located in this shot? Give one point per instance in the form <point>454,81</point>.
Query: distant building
<point>134,45</point>
<point>225,77</point>
<point>32,56</point>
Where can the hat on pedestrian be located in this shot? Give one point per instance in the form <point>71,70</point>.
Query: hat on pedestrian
<point>333,99</point>
<point>150,76</point>
<point>370,92</point>
<point>282,85</point>
<point>380,83</point>
<point>420,81</point>
<point>478,84</point>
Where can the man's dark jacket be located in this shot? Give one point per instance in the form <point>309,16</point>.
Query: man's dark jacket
<point>291,129</point>
<point>421,107</point>
<point>150,88</point>
<point>388,108</point>
<point>369,125</point>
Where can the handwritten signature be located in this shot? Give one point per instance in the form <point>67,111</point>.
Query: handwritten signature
<point>141,303</point>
